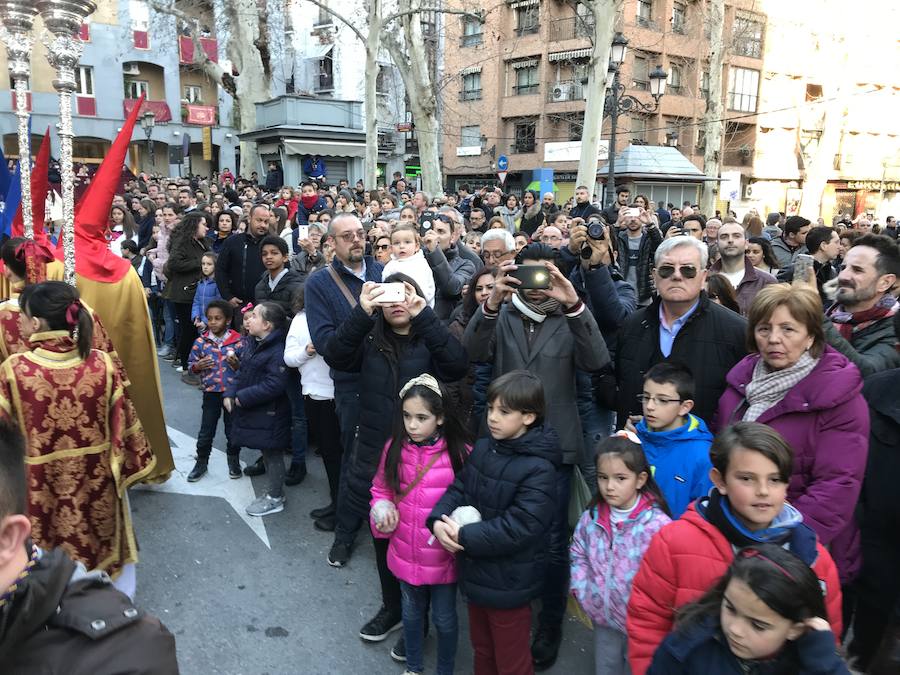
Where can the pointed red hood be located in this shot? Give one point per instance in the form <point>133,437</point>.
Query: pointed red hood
<point>40,186</point>
<point>93,259</point>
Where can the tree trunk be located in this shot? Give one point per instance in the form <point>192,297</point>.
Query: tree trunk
<point>821,164</point>
<point>712,123</point>
<point>372,45</point>
<point>604,14</point>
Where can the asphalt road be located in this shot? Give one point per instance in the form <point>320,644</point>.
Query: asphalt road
<point>255,596</point>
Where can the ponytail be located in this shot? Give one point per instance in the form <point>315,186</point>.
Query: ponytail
<point>60,306</point>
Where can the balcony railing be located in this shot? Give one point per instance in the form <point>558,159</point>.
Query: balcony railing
<point>325,83</point>
<point>471,40</point>
<point>567,90</point>
<point>528,30</point>
<point>644,22</point>
<point>520,147</point>
<point>571,28</point>
<point>738,157</point>
<point>470,95</point>
<point>526,89</point>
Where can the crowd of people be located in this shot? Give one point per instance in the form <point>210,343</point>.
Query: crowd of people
<point>686,423</point>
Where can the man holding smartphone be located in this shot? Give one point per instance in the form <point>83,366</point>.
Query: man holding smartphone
<point>637,241</point>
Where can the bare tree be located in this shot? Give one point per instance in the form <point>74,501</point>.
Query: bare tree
<point>243,28</point>
<point>712,116</point>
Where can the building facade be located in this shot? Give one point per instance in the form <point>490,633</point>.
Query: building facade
<point>131,50</point>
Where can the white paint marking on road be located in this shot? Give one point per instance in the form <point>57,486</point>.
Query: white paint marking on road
<point>215,483</point>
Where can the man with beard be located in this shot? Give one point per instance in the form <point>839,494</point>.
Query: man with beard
<point>637,241</point>
<point>860,322</point>
<point>734,265</point>
<point>331,294</point>
<point>583,207</point>
<point>239,265</point>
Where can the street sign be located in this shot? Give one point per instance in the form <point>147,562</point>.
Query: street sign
<point>502,164</point>
<point>502,176</point>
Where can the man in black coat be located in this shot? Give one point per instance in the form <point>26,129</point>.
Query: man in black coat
<point>274,178</point>
<point>239,265</point>
<point>683,325</point>
<point>583,207</point>
<point>55,617</point>
<point>611,212</point>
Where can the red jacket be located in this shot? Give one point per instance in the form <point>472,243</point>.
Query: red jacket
<point>684,560</point>
<point>291,206</point>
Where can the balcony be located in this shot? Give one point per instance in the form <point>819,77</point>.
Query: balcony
<point>742,156</point>
<point>571,28</point>
<point>471,40</point>
<point>529,29</point>
<point>201,115</point>
<point>523,146</point>
<point>644,22</point>
<point>526,89</point>
<point>160,109</point>
<point>470,94</point>
<point>566,90</point>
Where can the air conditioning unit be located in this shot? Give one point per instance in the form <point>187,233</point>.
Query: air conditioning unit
<point>748,191</point>
<point>131,68</point>
<point>562,91</point>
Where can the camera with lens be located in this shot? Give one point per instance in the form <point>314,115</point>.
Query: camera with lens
<point>596,228</point>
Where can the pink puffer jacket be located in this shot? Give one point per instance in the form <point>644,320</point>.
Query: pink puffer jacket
<point>410,557</point>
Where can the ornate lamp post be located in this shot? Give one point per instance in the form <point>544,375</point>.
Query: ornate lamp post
<point>63,19</point>
<point>18,21</point>
<point>148,121</point>
<point>618,103</point>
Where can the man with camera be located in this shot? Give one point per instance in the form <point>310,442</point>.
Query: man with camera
<point>637,241</point>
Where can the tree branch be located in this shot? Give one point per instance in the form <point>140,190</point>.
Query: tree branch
<point>356,31</point>
<point>442,10</point>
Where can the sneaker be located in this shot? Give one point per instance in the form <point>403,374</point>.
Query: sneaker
<point>329,510</point>
<point>325,523</point>
<point>265,505</point>
<point>234,467</point>
<point>164,351</point>
<point>198,470</point>
<point>338,555</point>
<point>398,652</point>
<point>189,378</point>
<point>178,368</point>
<point>295,474</point>
<point>382,624</point>
<point>258,468</point>
<point>545,647</point>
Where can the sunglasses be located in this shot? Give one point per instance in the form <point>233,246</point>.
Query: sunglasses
<point>666,271</point>
<point>382,247</point>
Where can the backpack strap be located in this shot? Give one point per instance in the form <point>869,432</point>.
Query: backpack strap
<point>342,286</point>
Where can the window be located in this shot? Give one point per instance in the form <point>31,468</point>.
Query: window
<point>743,88</point>
<point>472,31</point>
<point>525,133</point>
<point>701,138</point>
<point>747,36</point>
<point>471,87</point>
<point>470,136</point>
<point>383,80</point>
<point>193,94</point>
<point>526,81</point>
<point>528,19</point>
<point>584,22</point>
<point>84,81</point>
<point>639,128</point>
<point>12,83</point>
<point>704,83</point>
<point>676,127</point>
<point>640,72</point>
<point>326,74</point>
<point>324,18</point>
<point>134,88</point>
<point>675,80</point>
<point>644,15</point>
<point>679,17</point>
<point>140,15</point>
<point>576,127</point>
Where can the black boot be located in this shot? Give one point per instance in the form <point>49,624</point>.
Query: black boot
<point>198,470</point>
<point>295,474</point>
<point>234,466</point>
<point>329,510</point>
<point>258,468</point>
<point>545,647</point>
<point>325,523</point>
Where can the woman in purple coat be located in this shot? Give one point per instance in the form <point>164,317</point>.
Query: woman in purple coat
<point>811,395</point>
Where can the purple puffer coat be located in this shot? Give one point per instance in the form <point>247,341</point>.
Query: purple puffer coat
<point>410,557</point>
<point>825,420</point>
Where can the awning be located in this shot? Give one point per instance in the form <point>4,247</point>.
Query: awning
<point>325,148</point>
<point>316,50</point>
<point>523,3</point>
<point>471,70</point>
<point>571,54</point>
<point>267,148</point>
<point>530,63</point>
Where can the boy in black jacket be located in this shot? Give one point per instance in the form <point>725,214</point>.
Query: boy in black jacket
<point>510,478</point>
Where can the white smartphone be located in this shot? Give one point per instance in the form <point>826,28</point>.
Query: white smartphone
<point>302,232</point>
<point>394,292</point>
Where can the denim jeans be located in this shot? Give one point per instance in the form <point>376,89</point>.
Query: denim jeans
<point>346,403</point>
<point>169,332</point>
<point>299,425</point>
<point>443,615</point>
<point>212,410</point>
<point>555,593</point>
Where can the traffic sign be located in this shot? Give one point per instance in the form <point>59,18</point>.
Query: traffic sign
<point>502,176</point>
<point>502,164</point>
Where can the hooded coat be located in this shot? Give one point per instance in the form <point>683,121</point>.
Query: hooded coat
<point>687,557</point>
<point>825,419</point>
<point>680,461</point>
<point>512,483</point>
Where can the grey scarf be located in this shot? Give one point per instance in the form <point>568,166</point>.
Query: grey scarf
<point>769,387</point>
<point>536,313</point>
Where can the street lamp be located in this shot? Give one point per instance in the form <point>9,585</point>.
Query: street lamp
<point>617,102</point>
<point>148,121</point>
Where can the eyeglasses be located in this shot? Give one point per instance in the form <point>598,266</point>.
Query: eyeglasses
<point>382,247</point>
<point>657,400</point>
<point>492,255</point>
<point>666,271</point>
<point>350,237</point>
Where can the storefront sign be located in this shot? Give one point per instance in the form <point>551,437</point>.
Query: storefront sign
<point>887,186</point>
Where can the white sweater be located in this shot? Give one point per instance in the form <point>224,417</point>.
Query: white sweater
<point>418,269</point>
<point>315,376</point>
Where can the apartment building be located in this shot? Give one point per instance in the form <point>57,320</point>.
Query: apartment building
<point>130,50</point>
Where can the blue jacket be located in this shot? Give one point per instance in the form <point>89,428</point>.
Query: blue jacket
<point>217,378</point>
<point>327,308</point>
<point>303,218</point>
<point>263,418</point>
<point>206,292</point>
<point>702,648</point>
<point>680,461</point>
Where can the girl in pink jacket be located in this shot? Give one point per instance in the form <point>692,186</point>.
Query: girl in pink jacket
<point>417,466</point>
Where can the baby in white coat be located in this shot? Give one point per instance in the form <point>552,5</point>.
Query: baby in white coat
<point>407,258</point>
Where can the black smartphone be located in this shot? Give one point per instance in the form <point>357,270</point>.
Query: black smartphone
<point>426,222</point>
<point>532,276</point>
